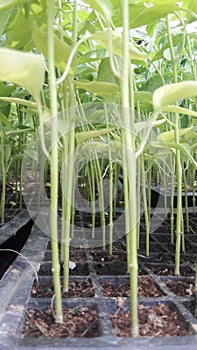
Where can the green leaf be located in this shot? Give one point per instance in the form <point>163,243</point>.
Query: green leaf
<point>180,110</point>
<point>20,101</point>
<point>171,93</point>
<point>18,131</point>
<point>185,149</point>
<point>62,50</point>
<point>102,6</point>
<point>105,73</point>
<point>161,2</point>
<point>102,38</point>
<point>152,84</point>
<point>160,53</point>
<point>23,68</point>
<point>106,90</point>
<point>168,136</point>
<point>22,33</point>
<point>92,56</point>
<point>84,136</point>
<point>10,3</point>
<point>143,96</point>
<point>101,147</point>
<point>5,121</point>
<point>4,18</point>
<point>142,13</point>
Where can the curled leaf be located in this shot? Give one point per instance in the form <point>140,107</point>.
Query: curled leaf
<point>171,93</point>
<point>22,68</point>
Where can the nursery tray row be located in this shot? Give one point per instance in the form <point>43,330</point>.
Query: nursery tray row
<point>99,296</point>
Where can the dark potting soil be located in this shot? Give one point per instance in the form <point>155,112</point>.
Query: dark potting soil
<point>81,269</point>
<point>182,287</point>
<point>146,288</point>
<point>77,289</point>
<point>168,270</point>
<point>79,322</point>
<point>73,256</point>
<point>105,256</point>
<point>154,321</point>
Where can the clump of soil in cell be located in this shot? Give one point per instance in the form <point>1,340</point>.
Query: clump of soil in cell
<point>146,288</point>
<point>79,322</point>
<point>77,289</point>
<point>154,321</point>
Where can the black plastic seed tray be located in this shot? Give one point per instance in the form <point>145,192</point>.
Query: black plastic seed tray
<point>18,281</point>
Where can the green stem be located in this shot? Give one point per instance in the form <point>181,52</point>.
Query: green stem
<point>70,138</point>
<point>178,161</point>
<point>54,164</point>
<point>128,148</point>
<point>3,194</point>
<point>147,222</point>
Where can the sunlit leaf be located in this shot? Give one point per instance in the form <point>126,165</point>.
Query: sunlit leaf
<point>23,68</point>
<point>143,96</point>
<point>143,13</point>
<point>171,93</point>
<point>4,4</point>
<point>180,110</point>
<point>102,38</point>
<point>87,135</point>
<point>62,50</point>
<point>101,147</point>
<point>20,101</point>
<point>102,6</point>
<point>106,90</point>
<point>168,136</point>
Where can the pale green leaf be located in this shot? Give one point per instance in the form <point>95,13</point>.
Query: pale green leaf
<point>27,103</point>
<point>102,6</point>
<point>184,148</point>
<point>20,101</point>
<point>4,4</point>
<point>140,126</point>
<point>171,93</point>
<point>168,136</point>
<point>22,68</point>
<point>161,2</point>
<point>180,110</point>
<point>87,135</point>
<point>102,38</point>
<point>142,13</point>
<point>62,50</point>
<point>18,131</point>
<point>106,90</point>
<point>143,96</point>
<point>101,147</point>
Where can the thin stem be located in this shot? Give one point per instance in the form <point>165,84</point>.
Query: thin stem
<point>178,160</point>
<point>128,144</point>
<point>54,164</point>
<point>3,176</point>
